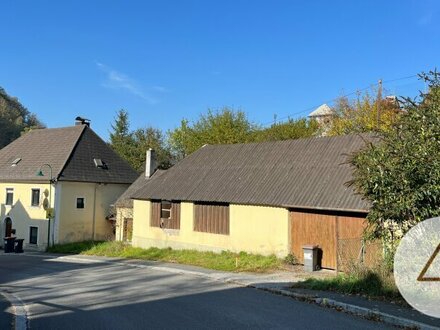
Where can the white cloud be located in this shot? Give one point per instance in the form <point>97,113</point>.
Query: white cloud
<point>118,80</point>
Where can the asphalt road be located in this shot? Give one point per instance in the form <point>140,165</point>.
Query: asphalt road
<point>62,294</point>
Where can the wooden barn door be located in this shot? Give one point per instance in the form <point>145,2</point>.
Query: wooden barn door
<point>325,229</point>
<point>318,229</point>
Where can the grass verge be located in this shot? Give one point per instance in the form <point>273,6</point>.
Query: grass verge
<point>225,261</point>
<point>368,283</point>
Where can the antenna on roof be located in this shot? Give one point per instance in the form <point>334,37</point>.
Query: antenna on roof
<point>82,121</point>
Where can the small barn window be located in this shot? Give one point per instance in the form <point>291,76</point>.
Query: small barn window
<point>165,209</point>
<point>211,218</point>
<point>165,214</point>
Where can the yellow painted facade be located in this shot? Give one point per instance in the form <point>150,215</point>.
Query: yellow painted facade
<point>69,224</point>
<point>22,214</point>
<point>253,229</point>
<point>89,223</point>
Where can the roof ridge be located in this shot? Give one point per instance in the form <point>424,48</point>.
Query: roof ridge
<point>310,138</point>
<point>66,161</point>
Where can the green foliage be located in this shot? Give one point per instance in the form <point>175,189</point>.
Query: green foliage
<point>400,175</point>
<point>15,119</point>
<point>292,129</point>
<point>149,137</point>
<point>121,139</point>
<point>132,145</point>
<point>226,261</point>
<point>370,283</point>
<point>361,115</point>
<point>221,127</point>
<point>229,126</point>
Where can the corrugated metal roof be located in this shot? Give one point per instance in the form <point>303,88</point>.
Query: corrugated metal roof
<point>307,173</point>
<point>125,199</point>
<point>70,152</point>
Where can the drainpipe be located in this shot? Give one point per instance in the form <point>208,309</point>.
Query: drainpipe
<point>94,212</point>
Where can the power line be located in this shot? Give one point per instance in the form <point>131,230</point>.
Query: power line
<point>334,99</point>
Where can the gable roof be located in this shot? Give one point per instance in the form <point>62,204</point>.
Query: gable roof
<point>322,110</point>
<point>125,199</point>
<point>303,173</point>
<point>69,151</point>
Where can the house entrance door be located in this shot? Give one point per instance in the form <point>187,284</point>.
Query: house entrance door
<point>8,227</point>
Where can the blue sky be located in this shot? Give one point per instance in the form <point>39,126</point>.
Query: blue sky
<point>165,60</point>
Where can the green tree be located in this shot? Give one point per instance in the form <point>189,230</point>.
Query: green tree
<point>15,119</point>
<point>146,138</point>
<point>361,115</point>
<point>292,129</point>
<point>132,145</point>
<point>225,126</point>
<point>400,173</point>
<point>121,139</point>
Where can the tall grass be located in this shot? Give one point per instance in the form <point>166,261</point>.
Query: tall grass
<point>225,261</point>
<point>375,282</point>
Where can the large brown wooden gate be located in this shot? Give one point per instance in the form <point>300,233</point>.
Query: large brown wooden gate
<point>323,229</point>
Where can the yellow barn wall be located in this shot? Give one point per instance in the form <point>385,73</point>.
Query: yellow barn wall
<point>23,214</point>
<point>77,224</point>
<point>254,229</point>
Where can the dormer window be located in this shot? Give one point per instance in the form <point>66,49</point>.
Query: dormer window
<point>16,161</point>
<point>99,163</point>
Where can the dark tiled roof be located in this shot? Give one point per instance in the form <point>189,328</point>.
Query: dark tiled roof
<point>70,152</point>
<point>125,199</point>
<point>304,173</point>
<point>81,167</point>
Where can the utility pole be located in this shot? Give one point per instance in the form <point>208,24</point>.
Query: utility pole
<point>378,103</point>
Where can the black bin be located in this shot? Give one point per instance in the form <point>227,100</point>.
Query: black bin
<point>18,246</point>
<point>9,244</point>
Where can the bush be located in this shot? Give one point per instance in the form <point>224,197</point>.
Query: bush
<point>291,259</point>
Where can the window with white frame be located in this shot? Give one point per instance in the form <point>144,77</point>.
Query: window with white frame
<point>9,196</point>
<point>35,197</point>
<point>80,202</point>
<point>33,235</point>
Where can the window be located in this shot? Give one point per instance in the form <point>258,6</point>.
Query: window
<point>33,235</point>
<point>165,210</point>
<point>165,214</point>
<point>80,202</point>
<point>9,196</point>
<point>211,218</point>
<point>16,161</point>
<point>35,197</point>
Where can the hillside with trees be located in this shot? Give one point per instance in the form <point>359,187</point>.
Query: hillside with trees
<point>15,119</point>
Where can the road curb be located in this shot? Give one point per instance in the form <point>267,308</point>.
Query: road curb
<point>321,301</point>
<point>18,308</point>
<point>353,309</point>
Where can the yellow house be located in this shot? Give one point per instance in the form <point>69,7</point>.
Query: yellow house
<point>56,186</point>
<point>264,198</point>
